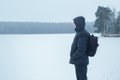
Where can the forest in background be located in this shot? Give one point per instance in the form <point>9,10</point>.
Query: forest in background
<point>107,21</point>
<point>40,28</point>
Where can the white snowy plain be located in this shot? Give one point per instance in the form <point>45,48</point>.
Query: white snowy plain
<point>46,57</point>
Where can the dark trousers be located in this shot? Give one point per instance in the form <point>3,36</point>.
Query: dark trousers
<point>81,72</point>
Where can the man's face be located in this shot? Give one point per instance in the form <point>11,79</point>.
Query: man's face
<point>74,25</point>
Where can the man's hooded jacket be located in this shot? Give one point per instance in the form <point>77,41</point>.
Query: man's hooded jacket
<point>79,46</point>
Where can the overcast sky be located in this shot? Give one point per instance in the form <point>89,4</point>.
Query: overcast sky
<point>52,10</point>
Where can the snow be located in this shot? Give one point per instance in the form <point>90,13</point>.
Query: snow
<point>46,57</point>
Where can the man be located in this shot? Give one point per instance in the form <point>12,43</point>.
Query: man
<point>78,55</point>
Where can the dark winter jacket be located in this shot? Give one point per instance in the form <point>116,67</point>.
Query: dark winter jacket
<point>79,46</point>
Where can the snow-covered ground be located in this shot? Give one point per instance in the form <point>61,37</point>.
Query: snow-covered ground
<point>46,57</point>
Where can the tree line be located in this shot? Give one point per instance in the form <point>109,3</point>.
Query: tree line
<point>39,28</point>
<point>107,20</point>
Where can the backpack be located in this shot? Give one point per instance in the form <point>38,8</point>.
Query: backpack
<point>92,45</point>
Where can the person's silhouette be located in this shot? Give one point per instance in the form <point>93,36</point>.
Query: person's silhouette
<point>78,55</point>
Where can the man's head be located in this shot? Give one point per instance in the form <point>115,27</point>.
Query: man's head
<point>79,23</point>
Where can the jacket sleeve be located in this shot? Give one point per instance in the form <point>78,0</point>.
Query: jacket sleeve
<point>81,48</point>
<point>73,47</point>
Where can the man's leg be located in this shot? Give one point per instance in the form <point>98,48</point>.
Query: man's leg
<point>81,72</point>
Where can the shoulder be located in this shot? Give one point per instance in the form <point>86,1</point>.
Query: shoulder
<point>83,33</point>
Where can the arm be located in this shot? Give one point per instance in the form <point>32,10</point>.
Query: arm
<point>81,47</point>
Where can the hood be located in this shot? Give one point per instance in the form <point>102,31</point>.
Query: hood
<point>80,23</point>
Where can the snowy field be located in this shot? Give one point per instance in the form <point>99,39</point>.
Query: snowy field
<point>46,57</point>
